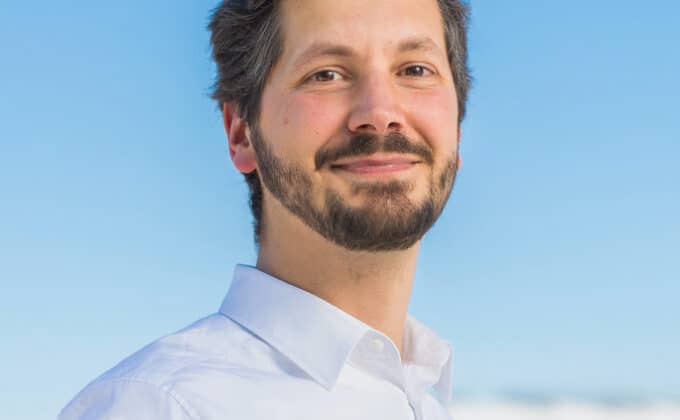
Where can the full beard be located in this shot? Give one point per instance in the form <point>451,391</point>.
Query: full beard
<point>389,220</point>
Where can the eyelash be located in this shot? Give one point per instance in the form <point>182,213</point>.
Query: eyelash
<point>420,66</point>
<point>320,72</point>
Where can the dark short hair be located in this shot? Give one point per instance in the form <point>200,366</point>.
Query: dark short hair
<point>246,43</point>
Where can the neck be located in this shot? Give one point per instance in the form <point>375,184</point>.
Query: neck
<point>374,287</point>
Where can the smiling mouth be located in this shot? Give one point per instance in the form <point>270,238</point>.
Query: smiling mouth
<point>376,165</point>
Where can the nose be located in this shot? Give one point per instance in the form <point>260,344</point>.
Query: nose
<point>376,108</point>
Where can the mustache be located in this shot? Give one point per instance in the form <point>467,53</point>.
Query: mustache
<point>364,144</point>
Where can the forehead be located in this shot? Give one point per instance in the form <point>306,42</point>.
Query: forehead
<point>363,25</point>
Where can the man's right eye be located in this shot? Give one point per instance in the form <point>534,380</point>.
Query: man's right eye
<point>325,76</point>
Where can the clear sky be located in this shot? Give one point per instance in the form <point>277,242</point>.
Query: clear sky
<point>554,269</point>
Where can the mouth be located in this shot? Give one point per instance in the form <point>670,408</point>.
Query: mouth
<point>376,165</point>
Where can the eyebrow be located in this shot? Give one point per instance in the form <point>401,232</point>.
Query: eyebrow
<point>424,43</point>
<point>323,49</point>
<point>328,49</point>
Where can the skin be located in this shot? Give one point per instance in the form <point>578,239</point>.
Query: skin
<point>351,66</point>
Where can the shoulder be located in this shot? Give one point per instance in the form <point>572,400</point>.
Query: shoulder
<point>123,399</point>
<point>151,380</point>
<point>211,340</point>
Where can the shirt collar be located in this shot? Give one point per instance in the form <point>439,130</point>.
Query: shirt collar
<point>432,355</point>
<point>319,337</point>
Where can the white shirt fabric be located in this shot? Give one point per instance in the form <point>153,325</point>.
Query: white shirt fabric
<point>275,352</point>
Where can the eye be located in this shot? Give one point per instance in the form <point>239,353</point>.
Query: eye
<point>416,71</point>
<point>325,76</point>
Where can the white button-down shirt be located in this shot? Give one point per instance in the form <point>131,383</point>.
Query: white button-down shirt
<point>275,351</point>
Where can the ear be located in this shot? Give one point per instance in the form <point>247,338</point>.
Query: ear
<point>240,148</point>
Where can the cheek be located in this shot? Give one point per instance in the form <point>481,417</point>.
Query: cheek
<point>314,114</point>
<point>435,115</point>
<point>302,123</point>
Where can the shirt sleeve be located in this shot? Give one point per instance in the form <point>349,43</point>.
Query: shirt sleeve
<point>124,399</point>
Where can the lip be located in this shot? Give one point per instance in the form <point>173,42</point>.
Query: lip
<point>376,165</point>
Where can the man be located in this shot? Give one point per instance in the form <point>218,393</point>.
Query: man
<point>344,117</point>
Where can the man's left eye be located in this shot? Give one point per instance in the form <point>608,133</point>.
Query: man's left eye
<point>416,71</point>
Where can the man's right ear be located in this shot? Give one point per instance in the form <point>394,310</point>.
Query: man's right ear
<point>240,148</point>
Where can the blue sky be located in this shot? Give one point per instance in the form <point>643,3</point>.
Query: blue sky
<point>554,269</point>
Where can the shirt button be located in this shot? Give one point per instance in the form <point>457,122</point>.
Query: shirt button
<point>376,345</point>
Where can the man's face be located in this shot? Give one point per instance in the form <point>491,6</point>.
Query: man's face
<point>358,128</point>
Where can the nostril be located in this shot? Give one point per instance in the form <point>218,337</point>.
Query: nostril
<point>365,127</point>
